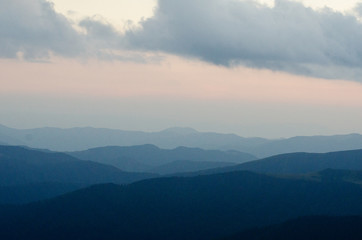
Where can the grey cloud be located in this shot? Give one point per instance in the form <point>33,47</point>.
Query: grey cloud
<point>33,28</point>
<point>358,9</point>
<point>287,37</point>
<point>108,44</point>
<point>101,33</point>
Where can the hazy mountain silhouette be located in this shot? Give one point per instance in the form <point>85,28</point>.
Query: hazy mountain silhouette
<point>77,139</point>
<point>7,136</point>
<point>20,166</point>
<point>203,207</point>
<point>298,163</point>
<point>150,158</point>
<point>180,130</point>
<point>313,144</point>
<point>23,166</point>
<point>306,228</point>
<point>188,166</point>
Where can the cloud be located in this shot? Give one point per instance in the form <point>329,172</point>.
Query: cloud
<point>32,28</point>
<point>286,37</point>
<point>358,9</point>
<point>101,33</point>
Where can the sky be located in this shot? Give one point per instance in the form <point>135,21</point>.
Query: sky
<point>255,68</point>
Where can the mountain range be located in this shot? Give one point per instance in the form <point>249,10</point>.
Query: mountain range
<point>79,139</point>
<point>80,195</point>
<point>31,174</point>
<point>202,207</point>
<point>149,158</point>
<point>27,175</point>
<point>297,163</point>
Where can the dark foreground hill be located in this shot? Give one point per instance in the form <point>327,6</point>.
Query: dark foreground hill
<point>203,207</point>
<point>151,158</point>
<point>298,163</point>
<point>26,193</point>
<point>24,170</point>
<point>307,228</point>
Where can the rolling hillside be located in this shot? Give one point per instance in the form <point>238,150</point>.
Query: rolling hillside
<point>150,158</point>
<point>204,207</point>
<point>298,163</point>
<point>315,227</point>
<point>20,167</point>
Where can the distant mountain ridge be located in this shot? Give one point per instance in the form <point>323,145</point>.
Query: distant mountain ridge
<point>78,139</point>
<point>188,166</point>
<point>298,163</point>
<point>148,158</point>
<point>23,166</point>
<point>36,172</point>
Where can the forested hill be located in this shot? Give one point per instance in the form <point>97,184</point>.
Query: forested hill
<point>298,163</point>
<point>203,207</point>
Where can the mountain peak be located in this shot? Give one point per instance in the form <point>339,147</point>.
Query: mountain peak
<point>3,126</point>
<point>180,130</point>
